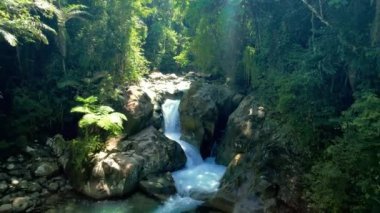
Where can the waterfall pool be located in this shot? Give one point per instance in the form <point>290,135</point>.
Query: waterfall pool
<point>136,203</point>
<point>198,177</point>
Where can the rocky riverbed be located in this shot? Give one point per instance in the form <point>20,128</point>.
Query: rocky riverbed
<point>31,181</point>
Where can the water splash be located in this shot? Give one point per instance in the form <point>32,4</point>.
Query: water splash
<point>198,177</point>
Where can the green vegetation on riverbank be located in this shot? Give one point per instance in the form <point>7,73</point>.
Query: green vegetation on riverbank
<point>315,64</point>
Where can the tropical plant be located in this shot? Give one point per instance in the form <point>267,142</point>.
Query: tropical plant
<point>100,116</point>
<point>18,21</point>
<point>64,14</point>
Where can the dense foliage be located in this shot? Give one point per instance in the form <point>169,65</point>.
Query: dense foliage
<point>313,63</point>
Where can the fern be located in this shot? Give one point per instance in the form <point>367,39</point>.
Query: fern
<point>101,116</point>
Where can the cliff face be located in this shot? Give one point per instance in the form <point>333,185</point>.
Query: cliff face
<point>259,169</point>
<point>204,111</point>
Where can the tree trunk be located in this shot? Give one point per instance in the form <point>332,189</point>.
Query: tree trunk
<point>351,74</point>
<point>19,59</point>
<point>64,66</point>
<point>376,26</point>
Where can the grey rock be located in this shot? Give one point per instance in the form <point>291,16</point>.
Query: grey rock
<point>246,148</point>
<point>29,150</point>
<point>3,186</point>
<point>138,108</point>
<point>202,108</point>
<point>42,181</point>
<point>5,208</point>
<point>14,181</point>
<point>118,170</point>
<point>17,172</point>
<point>20,204</point>
<point>11,166</point>
<point>30,209</point>
<point>53,187</point>
<point>159,186</point>
<point>34,195</point>
<point>20,158</point>
<point>249,205</point>
<point>34,187</point>
<point>44,192</point>
<point>3,176</point>
<point>60,149</point>
<point>270,205</point>
<point>201,195</point>
<point>157,120</point>
<point>243,127</point>
<point>11,159</point>
<point>46,169</point>
<point>23,184</point>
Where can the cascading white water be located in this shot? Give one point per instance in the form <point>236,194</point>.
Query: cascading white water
<point>172,131</point>
<point>198,176</point>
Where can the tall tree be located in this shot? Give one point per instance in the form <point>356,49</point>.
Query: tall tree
<point>66,12</point>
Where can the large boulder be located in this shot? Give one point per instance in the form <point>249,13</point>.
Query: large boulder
<point>113,175</point>
<point>159,152</point>
<point>158,186</point>
<point>138,108</point>
<point>60,149</point>
<point>20,204</point>
<point>204,110</point>
<point>244,129</point>
<point>6,208</point>
<point>261,173</point>
<point>117,170</point>
<point>46,169</point>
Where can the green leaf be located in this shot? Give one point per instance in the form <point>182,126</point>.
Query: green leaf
<point>81,109</point>
<point>88,120</point>
<point>88,100</point>
<point>105,110</point>
<point>10,38</point>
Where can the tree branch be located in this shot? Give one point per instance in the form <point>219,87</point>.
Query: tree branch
<point>314,11</point>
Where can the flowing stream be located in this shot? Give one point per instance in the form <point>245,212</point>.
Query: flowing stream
<point>199,177</point>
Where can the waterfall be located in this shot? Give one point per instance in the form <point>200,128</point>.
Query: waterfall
<point>198,177</point>
<point>172,131</point>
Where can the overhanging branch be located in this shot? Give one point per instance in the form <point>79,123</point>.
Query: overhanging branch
<point>315,12</point>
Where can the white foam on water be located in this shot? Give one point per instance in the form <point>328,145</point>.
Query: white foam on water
<point>198,177</point>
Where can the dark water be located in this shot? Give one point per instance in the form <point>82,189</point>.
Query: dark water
<point>136,203</point>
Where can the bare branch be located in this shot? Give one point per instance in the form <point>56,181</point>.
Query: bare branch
<point>315,12</point>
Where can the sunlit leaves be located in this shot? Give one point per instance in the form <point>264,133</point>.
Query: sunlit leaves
<point>101,116</point>
<point>10,38</point>
<point>18,20</point>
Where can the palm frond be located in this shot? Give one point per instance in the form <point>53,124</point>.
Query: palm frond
<point>9,37</point>
<point>76,14</point>
<point>45,6</point>
<point>74,7</point>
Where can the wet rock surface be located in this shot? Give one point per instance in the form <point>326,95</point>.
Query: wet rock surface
<point>258,169</point>
<point>158,186</point>
<point>204,111</point>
